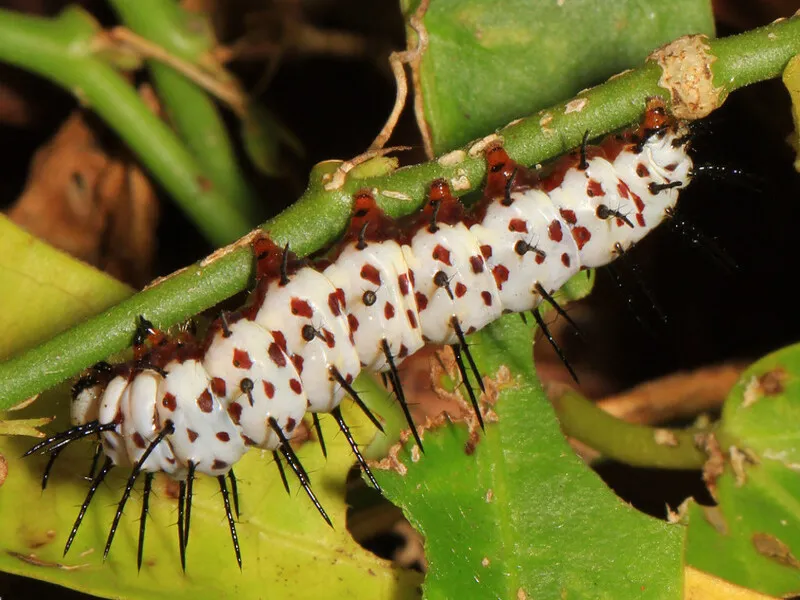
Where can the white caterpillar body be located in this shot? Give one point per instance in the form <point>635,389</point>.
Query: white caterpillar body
<point>379,301</point>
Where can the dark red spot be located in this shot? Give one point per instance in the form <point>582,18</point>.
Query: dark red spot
<point>247,441</point>
<point>422,301</point>
<point>518,225</point>
<point>340,297</point>
<point>205,402</point>
<point>402,283</point>
<point>169,402</point>
<point>582,236</point>
<point>554,231</point>
<point>565,260</point>
<point>486,250</point>
<point>218,387</point>
<point>539,258</point>
<point>623,189</point>
<point>280,339</point>
<point>330,340</point>
<point>671,167</point>
<point>412,320</point>
<point>638,202</point>
<point>487,298</point>
<point>642,171</point>
<point>298,361</point>
<point>371,274</point>
<point>235,412</point>
<point>402,352</point>
<point>290,424</point>
<point>277,355</point>
<point>461,289</point>
<point>296,387</point>
<point>412,278</point>
<point>470,329</point>
<point>442,254</point>
<point>594,188</point>
<point>170,460</point>
<point>222,436</point>
<point>241,359</point>
<point>568,216</point>
<point>301,308</point>
<point>500,276</point>
<point>333,304</point>
<point>191,434</point>
<point>138,440</point>
<point>388,311</point>
<point>353,322</point>
<point>476,262</point>
<point>218,465</point>
<point>640,220</point>
<point>269,389</point>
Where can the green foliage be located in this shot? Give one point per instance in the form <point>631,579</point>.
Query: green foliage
<point>753,537</point>
<point>490,62</point>
<point>514,513</point>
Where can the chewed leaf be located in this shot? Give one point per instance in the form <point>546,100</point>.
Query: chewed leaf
<point>283,538</point>
<point>752,538</point>
<point>26,427</point>
<point>512,512</point>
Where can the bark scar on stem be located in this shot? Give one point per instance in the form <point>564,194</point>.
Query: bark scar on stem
<point>686,74</point>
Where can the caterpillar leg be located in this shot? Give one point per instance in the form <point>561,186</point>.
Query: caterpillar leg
<point>107,466</point>
<point>354,395</point>
<point>181,520</point>
<point>394,378</point>
<point>337,414</point>
<point>552,302</point>
<point>148,485</point>
<point>226,501</point>
<point>543,326</point>
<point>318,429</point>
<point>137,469</point>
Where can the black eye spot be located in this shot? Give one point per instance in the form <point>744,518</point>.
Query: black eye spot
<point>521,247</point>
<point>602,212</point>
<point>246,385</point>
<point>369,298</point>
<point>308,333</point>
<point>441,279</point>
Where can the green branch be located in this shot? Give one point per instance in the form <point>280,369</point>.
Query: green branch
<point>63,51</point>
<point>320,216</point>
<point>194,114</point>
<point>632,444</point>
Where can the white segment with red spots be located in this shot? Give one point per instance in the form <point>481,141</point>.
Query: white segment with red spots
<point>305,328</point>
<point>249,365</point>
<point>311,300</point>
<point>376,282</point>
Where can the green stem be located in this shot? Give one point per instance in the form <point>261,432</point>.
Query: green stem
<point>636,445</point>
<point>320,216</point>
<point>194,114</point>
<point>61,50</point>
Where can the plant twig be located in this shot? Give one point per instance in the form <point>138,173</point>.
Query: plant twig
<point>181,44</point>
<point>62,50</point>
<point>676,396</point>
<point>633,444</point>
<point>320,216</point>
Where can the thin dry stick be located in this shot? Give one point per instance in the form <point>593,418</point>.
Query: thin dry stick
<point>227,91</point>
<point>676,396</point>
<point>397,60</point>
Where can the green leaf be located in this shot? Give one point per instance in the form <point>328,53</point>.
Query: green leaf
<point>513,513</point>
<point>263,136</point>
<point>753,538</point>
<point>287,549</point>
<point>490,62</point>
<point>45,290</point>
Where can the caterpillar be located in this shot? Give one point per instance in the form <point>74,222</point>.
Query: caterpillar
<point>188,405</point>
